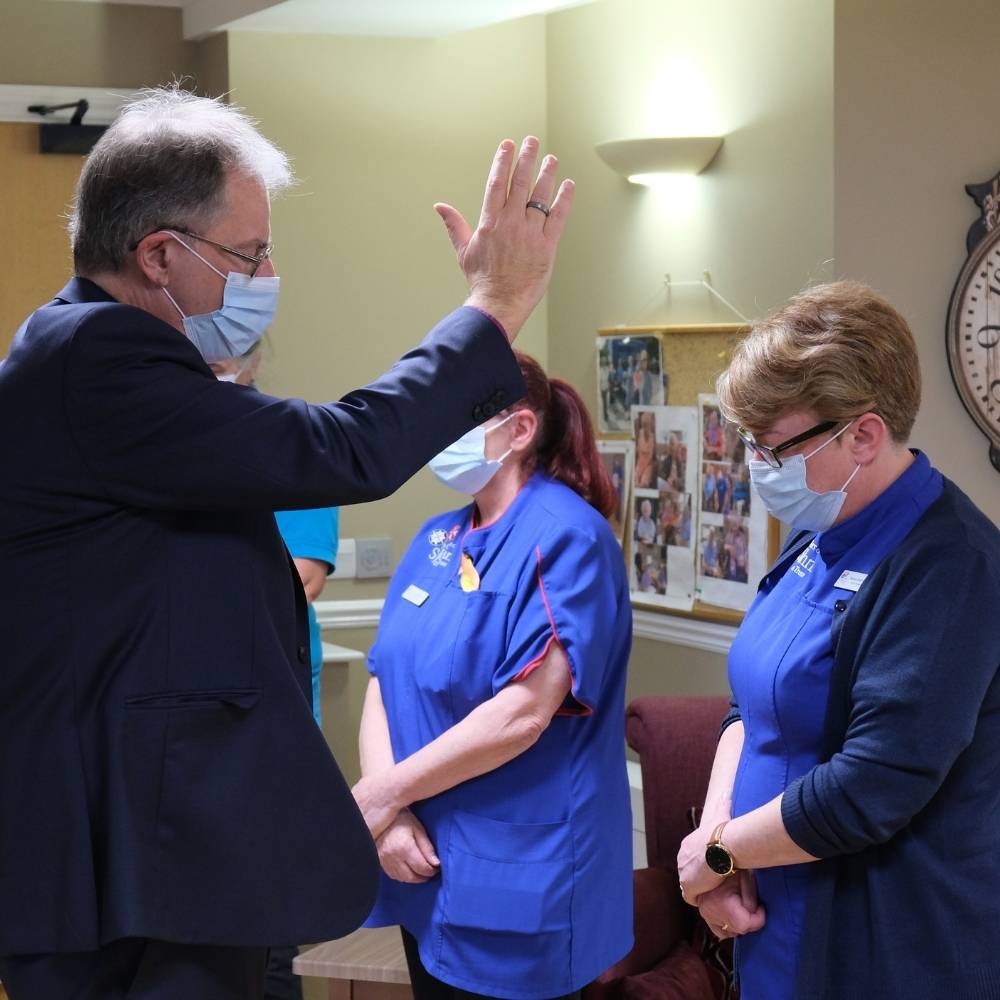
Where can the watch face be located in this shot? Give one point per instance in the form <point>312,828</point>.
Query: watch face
<point>718,859</point>
<point>974,335</point>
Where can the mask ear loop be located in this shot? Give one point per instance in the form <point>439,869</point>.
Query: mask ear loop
<point>195,252</point>
<point>507,453</point>
<point>857,469</point>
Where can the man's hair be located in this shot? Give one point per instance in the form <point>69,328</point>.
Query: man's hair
<point>164,163</point>
<point>839,350</point>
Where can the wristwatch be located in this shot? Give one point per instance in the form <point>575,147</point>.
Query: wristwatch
<point>718,857</point>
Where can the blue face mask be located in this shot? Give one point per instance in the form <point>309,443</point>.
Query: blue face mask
<point>464,466</point>
<point>248,308</point>
<point>788,497</point>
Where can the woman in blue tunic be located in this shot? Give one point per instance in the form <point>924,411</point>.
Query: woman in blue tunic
<point>849,837</point>
<point>492,745</point>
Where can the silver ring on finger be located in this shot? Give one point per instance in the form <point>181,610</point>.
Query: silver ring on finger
<point>540,205</point>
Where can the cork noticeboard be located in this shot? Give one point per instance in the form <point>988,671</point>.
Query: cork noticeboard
<point>666,366</point>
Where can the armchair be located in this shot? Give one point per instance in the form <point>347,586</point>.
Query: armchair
<point>675,956</point>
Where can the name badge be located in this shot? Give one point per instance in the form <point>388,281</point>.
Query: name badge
<point>851,580</point>
<point>415,595</point>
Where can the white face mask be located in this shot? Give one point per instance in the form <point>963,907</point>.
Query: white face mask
<point>464,466</point>
<point>788,497</point>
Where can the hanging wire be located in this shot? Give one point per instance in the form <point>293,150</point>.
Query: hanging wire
<point>669,284</point>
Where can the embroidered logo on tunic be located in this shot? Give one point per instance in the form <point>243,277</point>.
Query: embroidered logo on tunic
<point>442,545</point>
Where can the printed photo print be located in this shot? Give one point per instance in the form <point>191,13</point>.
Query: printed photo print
<point>616,464</point>
<point>671,460</point>
<point>649,569</point>
<point>722,552</point>
<point>720,442</point>
<point>629,373</point>
<point>644,430</point>
<point>725,488</point>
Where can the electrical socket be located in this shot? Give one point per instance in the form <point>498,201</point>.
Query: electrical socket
<point>373,557</point>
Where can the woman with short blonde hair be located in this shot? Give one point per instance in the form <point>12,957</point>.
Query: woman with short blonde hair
<point>849,834</point>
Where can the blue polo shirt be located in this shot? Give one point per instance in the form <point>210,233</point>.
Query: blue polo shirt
<point>312,534</point>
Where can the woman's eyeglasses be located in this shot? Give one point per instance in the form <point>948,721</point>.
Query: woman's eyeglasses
<point>770,455</point>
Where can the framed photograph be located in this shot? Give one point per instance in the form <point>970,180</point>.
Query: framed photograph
<point>629,373</point>
<point>618,457</point>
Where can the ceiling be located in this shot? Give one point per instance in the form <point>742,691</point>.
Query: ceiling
<point>390,18</point>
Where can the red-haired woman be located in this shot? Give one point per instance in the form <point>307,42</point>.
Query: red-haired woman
<point>492,737</point>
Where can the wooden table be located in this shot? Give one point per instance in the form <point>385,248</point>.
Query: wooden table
<point>366,965</point>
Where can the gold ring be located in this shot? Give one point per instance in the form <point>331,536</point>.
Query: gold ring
<point>724,927</point>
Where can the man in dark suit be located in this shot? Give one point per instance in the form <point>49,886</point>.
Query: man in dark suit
<point>169,808</point>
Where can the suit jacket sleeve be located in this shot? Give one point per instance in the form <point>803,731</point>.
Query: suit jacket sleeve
<point>158,430</point>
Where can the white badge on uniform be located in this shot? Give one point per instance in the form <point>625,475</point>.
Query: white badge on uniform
<point>415,595</point>
<point>851,580</point>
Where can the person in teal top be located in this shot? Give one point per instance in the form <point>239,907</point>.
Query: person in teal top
<point>311,538</point>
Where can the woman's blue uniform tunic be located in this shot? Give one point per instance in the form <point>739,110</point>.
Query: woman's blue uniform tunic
<point>534,897</point>
<point>779,671</point>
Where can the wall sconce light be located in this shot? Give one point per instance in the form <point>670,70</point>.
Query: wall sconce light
<point>642,160</point>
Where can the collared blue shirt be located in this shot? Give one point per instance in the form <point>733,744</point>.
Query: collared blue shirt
<point>312,534</point>
<point>534,897</point>
<point>779,671</point>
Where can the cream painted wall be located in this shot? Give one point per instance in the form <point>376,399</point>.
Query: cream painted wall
<point>379,129</point>
<point>916,80</point>
<point>760,219</point>
<point>100,45</point>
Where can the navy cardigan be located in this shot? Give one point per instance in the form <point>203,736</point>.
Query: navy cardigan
<point>904,808</point>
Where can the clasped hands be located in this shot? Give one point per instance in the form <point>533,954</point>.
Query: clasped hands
<point>728,905</point>
<point>404,849</point>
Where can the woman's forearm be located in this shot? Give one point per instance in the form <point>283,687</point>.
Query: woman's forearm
<point>759,839</point>
<point>719,797</point>
<point>374,744</point>
<point>492,734</point>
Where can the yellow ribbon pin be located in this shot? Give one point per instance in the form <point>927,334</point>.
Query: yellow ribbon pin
<point>467,574</point>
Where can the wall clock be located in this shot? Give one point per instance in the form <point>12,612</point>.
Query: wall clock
<point>974,318</point>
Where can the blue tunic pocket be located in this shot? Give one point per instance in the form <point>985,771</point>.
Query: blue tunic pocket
<point>507,904</point>
<point>508,876</point>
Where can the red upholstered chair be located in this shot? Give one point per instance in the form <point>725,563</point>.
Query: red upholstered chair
<point>674,958</point>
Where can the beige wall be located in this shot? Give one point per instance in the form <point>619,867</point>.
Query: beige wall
<point>916,80</point>
<point>761,217</point>
<point>379,130</point>
<point>100,45</point>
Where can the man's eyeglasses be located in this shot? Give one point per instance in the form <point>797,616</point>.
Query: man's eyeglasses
<point>257,260</point>
<point>770,455</point>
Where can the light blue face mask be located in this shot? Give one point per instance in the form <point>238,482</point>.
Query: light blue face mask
<point>247,310</point>
<point>464,466</point>
<point>788,497</point>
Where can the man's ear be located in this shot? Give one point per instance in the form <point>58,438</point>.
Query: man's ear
<point>152,257</point>
<point>869,434</point>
